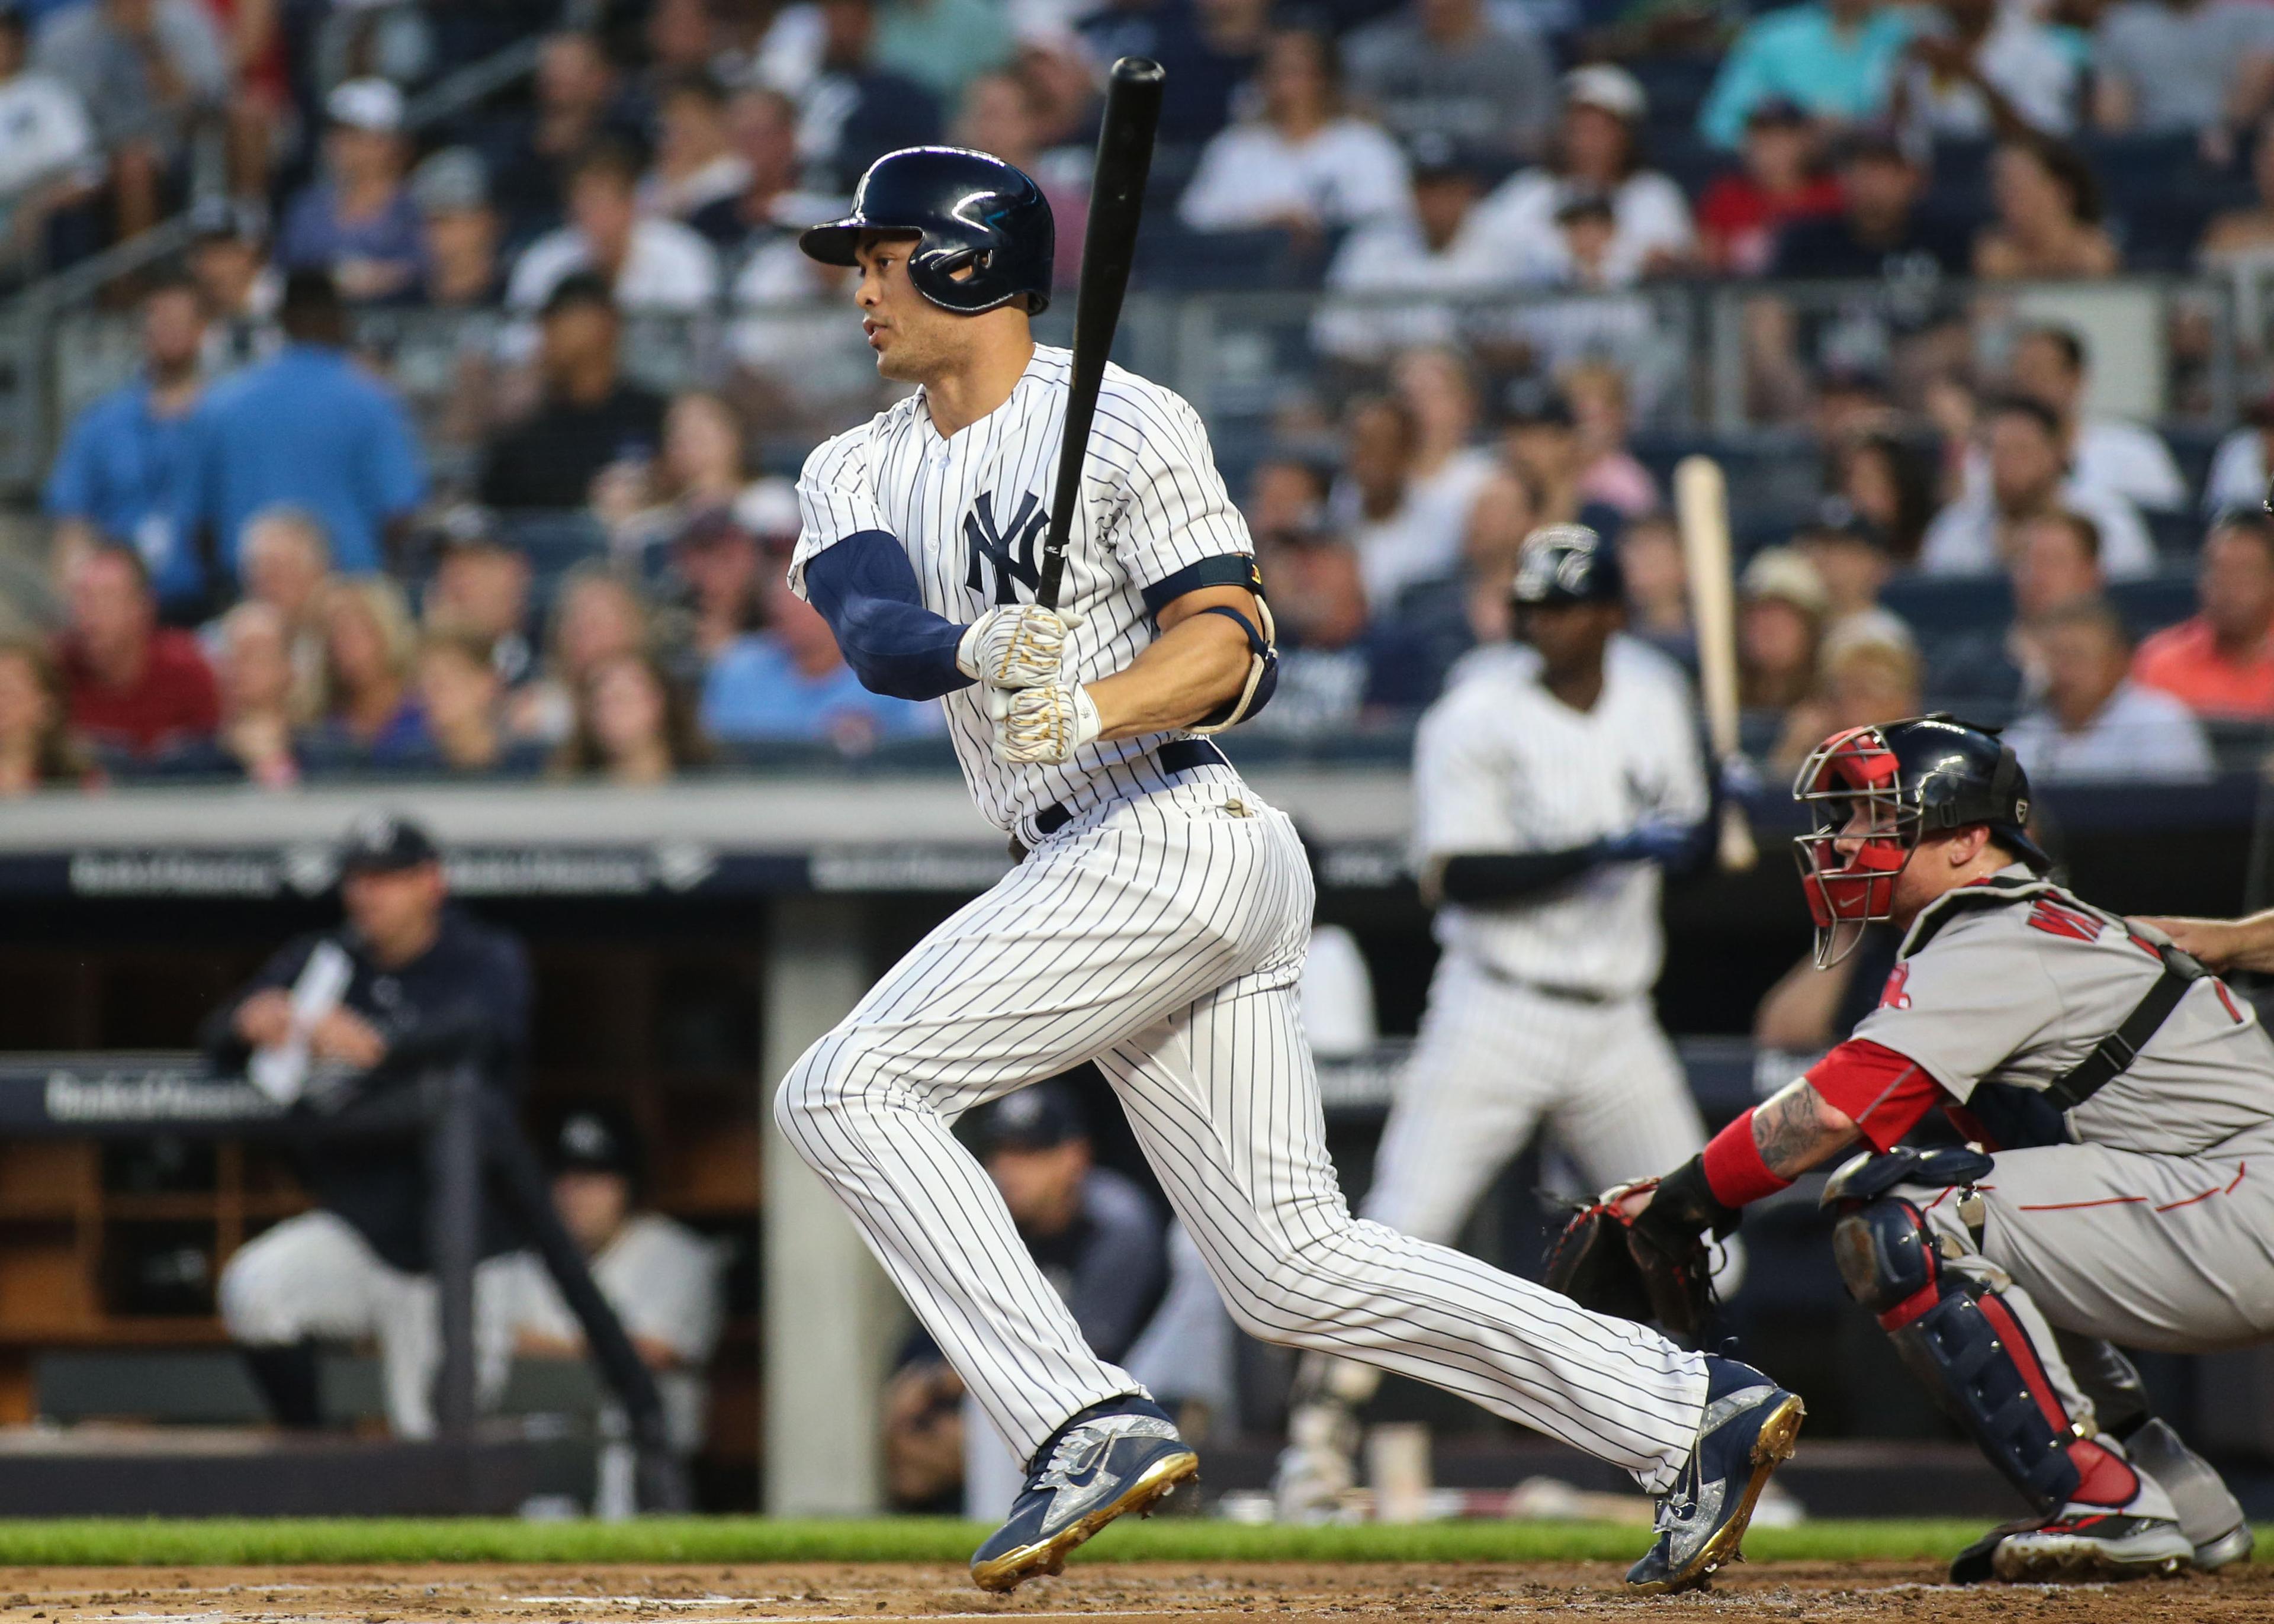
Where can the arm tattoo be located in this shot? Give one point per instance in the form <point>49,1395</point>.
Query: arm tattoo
<point>1794,1129</point>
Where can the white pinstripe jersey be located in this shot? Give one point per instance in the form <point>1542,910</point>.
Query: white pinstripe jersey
<point>1500,764</point>
<point>971,511</point>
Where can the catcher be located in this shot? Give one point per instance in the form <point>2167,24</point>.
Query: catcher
<point>2122,1101</point>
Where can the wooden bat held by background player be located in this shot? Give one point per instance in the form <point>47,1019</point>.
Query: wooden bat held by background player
<point>1701,503</point>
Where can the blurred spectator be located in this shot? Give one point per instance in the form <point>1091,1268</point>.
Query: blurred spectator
<point>1001,114</point>
<point>372,710</point>
<point>580,103</point>
<point>2050,364</point>
<point>2239,469</point>
<point>1866,679</point>
<point>480,591</point>
<point>597,616</point>
<point>134,688</point>
<point>38,749</point>
<point>2048,214</point>
<point>146,69</point>
<point>2220,660</point>
<point>2056,563</point>
<point>1983,68</point>
<point>944,44</point>
<point>2181,67</point>
<point>1781,609</point>
<point>459,233</point>
<point>1834,59</point>
<point>1302,163</point>
<point>1879,231</point>
<point>660,1276</point>
<point>1287,491</point>
<point>1608,473</point>
<point>646,264</point>
<point>1448,469</point>
<point>286,564</point>
<point>856,110</point>
<point>1850,558</point>
<point>50,159</point>
<point>358,222</point>
<point>121,473</point>
<point>695,163</point>
<point>2027,475</point>
<point>1208,48</point>
<point>311,429</point>
<point>789,682</point>
<point>1658,585</point>
<point>1399,543</point>
<point>2242,239</point>
<point>633,725</point>
<point>463,700</point>
<point>1318,596</point>
<point>1889,486</point>
<point>1746,209</point>
<point>588,419</point>
<point>254,665</point>
<point>1434,250</point>
<point>716,562</point>
<point>1539,437</point>
<point>1456,70</point>
<point>762,123</point>
<point>1596,154</point>
<point>260,100</point>
<point>698,472</point>
<point>679,37</point>
<point>229,262</point>
<point>2097,724</point>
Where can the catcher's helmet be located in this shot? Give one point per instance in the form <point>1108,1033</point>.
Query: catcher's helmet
<point>968,210</point>
<point>1564,564</point>
<point>1907,777</point>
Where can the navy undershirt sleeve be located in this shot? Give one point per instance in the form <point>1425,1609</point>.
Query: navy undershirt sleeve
<point>866,588</point>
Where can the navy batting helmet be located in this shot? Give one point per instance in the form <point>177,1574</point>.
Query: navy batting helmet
<point>1565,564</point>
<point>969,211</point>
<point>1911,777</point>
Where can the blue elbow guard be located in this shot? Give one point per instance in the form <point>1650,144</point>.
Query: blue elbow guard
<point>866,588</point>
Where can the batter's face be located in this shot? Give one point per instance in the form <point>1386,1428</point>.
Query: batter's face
<point>914,339</point>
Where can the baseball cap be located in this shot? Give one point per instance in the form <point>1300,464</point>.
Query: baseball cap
<point>385,842</point>
<point>1614,90</point>
<point>452,181</point>
<point>373,104</point>
<point>1786,574</point>
<point>598,1138</point>
<point>1432,153</point>
<point>1584,202</point>
<point>767,509</point>
<point>575,288</point>
<point>217,219</point>
<point>1529,403</point>
<point>1042,1117</point>
<point>1777,112</point>
<point>1872,141</point>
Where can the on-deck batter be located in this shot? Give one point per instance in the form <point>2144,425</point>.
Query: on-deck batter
<point>1549,785</point>
<point>1156,924</point>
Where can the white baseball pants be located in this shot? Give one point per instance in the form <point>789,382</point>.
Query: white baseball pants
<point>314,1276</point>
<point>1162,938</point>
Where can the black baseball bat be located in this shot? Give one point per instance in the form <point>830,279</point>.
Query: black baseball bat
<point>1117,198</point>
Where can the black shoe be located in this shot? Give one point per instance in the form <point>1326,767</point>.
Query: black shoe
<point>1113,1459</point>
<point>1748,1430</point>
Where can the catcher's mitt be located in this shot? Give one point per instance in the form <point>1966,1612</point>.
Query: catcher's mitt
<point>1617,1266</point>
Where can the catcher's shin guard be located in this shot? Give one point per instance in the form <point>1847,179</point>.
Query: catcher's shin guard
<point>1971,1351</point>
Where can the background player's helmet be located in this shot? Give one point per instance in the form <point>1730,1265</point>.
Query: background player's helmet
<point>1927,773</point>
<point>969,210</point>
<point>1564,564</point>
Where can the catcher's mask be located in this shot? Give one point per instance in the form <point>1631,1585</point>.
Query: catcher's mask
<point>1873,791</point>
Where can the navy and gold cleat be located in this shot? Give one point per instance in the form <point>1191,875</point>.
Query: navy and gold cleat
<point>1113,1458</point>
<point>1747,1432</point>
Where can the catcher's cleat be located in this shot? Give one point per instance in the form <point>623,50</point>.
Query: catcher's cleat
<point>2092,1542</point>
<point>2209,1514</point>
<point>1972,1566</point>
<point>1747,1432</point>
<point>1113,1458</point>
<point>2232,1546</point>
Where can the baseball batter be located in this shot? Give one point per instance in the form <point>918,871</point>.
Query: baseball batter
<point>1155,923</point>
<point>2124,1101</point>
<point>1549,787</point>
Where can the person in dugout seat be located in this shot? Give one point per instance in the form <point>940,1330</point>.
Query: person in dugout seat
<point>404,983</point>
<point>660,1276</point>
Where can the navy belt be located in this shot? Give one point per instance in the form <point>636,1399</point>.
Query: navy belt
<point>1178,755</point>
<point>1561,992</point>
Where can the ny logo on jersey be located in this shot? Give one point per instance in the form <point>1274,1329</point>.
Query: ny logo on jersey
<point>1010,548</point>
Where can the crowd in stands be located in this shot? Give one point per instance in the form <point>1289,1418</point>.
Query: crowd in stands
<point>283,549</point>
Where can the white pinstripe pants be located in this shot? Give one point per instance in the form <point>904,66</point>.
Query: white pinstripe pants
<point>1162,938</point>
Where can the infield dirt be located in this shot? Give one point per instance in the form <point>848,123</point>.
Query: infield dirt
<point>827,1593</point>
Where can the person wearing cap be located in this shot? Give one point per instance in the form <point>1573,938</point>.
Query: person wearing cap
<point>358,221</point>
<point>1780,180</point>
<point>458,233</point>
<point>1851,557</point>
<point>227,259</point>
<point>1458,71</point>
<point>1100,1242</point>
<point>645,264</point>
<point>1596,154</point>
<point>1554,784</point>
<point>1434,250</point>
<point>660,1276</point>
<point>590,417</point>
<point>308,428</point>
<point>146,69</point>
<point>425,985</point>
<point>1781,608</point>
<point>1836,58</point>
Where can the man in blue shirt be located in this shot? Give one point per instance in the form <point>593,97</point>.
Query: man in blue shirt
<point>1836,59</point>
<point>308,428</point>
<point>119,476</point>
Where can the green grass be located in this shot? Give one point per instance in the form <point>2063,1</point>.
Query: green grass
<point>121,1542</point>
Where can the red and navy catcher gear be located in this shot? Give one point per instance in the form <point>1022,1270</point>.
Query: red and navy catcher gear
<point>1875,791</point>
<point>969,211</point>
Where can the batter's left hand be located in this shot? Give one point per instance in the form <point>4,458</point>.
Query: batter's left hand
<point>1045,724</point>
<point>1020,645</point>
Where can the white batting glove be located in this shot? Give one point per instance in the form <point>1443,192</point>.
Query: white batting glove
<point>1019,645</point>
<point>1045,724</point>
